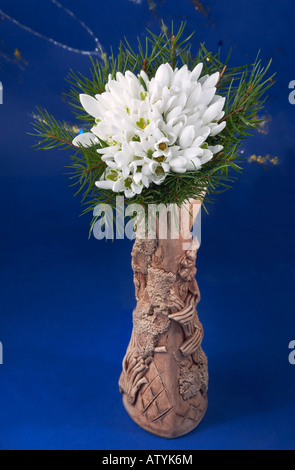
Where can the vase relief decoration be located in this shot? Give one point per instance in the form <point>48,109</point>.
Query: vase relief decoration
<point>164,380</point>
<point>161,126</point>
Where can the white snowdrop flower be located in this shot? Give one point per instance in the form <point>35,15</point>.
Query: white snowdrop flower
<point>87,139</point>
<point>153,127</point>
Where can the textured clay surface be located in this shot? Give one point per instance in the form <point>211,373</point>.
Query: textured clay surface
<point>164,380</point>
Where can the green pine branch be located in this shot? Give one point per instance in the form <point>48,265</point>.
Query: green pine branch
<point>244,88</point>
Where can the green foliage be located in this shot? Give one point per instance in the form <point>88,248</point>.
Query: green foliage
<point>244,88</point>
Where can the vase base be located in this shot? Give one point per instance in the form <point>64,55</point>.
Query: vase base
<point>172,424</point>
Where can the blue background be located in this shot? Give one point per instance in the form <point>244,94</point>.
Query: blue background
<point>66,301</point>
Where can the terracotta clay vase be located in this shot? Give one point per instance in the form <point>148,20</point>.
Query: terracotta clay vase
<point>164,380</point>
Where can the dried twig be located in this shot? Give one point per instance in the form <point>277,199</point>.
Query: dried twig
<point>221,73</point>
<point>97,51</point>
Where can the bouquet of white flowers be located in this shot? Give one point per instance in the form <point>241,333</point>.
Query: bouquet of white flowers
<point>154,127</point>
<point>160,126</point>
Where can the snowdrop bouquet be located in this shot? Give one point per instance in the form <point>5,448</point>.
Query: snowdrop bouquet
<point>153,126</point>
<point>157,125</point>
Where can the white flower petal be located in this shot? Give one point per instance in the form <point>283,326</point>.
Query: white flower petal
<point>174,113</point>
<point>186,137</point>
<point>145,181</point>
<point>178,164</point>
<point>206,157</point>
<point>118,186</point>
<point>192,152</point>
<point>193,164</point>
<point>157,179</point>
<point>146,170</point>
<point>144,76</point>
<point>164,74</point>
<point>215,149</point>
<point>180,77</point>
<point>137,188</point>
<point>212,112</point>
<point>203,132</point>
<point>110,163</point>
<point>122,158</point>
<point>137,177</point>
<point>197,72</point>
<point>155,90</point>
<point>90,105</point>
<point>216,129</point>
<point>125,171</point>
<point>211,81</point>
<point>104,184</point>
<point>87,139</point>
<point>195,95</point>
<point>129,193</point>
<point>207,95</point>
<point>198,141</point>
<point>180,100</point>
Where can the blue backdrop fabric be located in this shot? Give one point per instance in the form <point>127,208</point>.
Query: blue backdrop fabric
<point>66,301</point>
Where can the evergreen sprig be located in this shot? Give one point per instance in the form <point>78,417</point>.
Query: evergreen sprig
<point>244,88</point>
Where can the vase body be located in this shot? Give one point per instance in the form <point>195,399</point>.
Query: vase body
<point>164,380</point>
